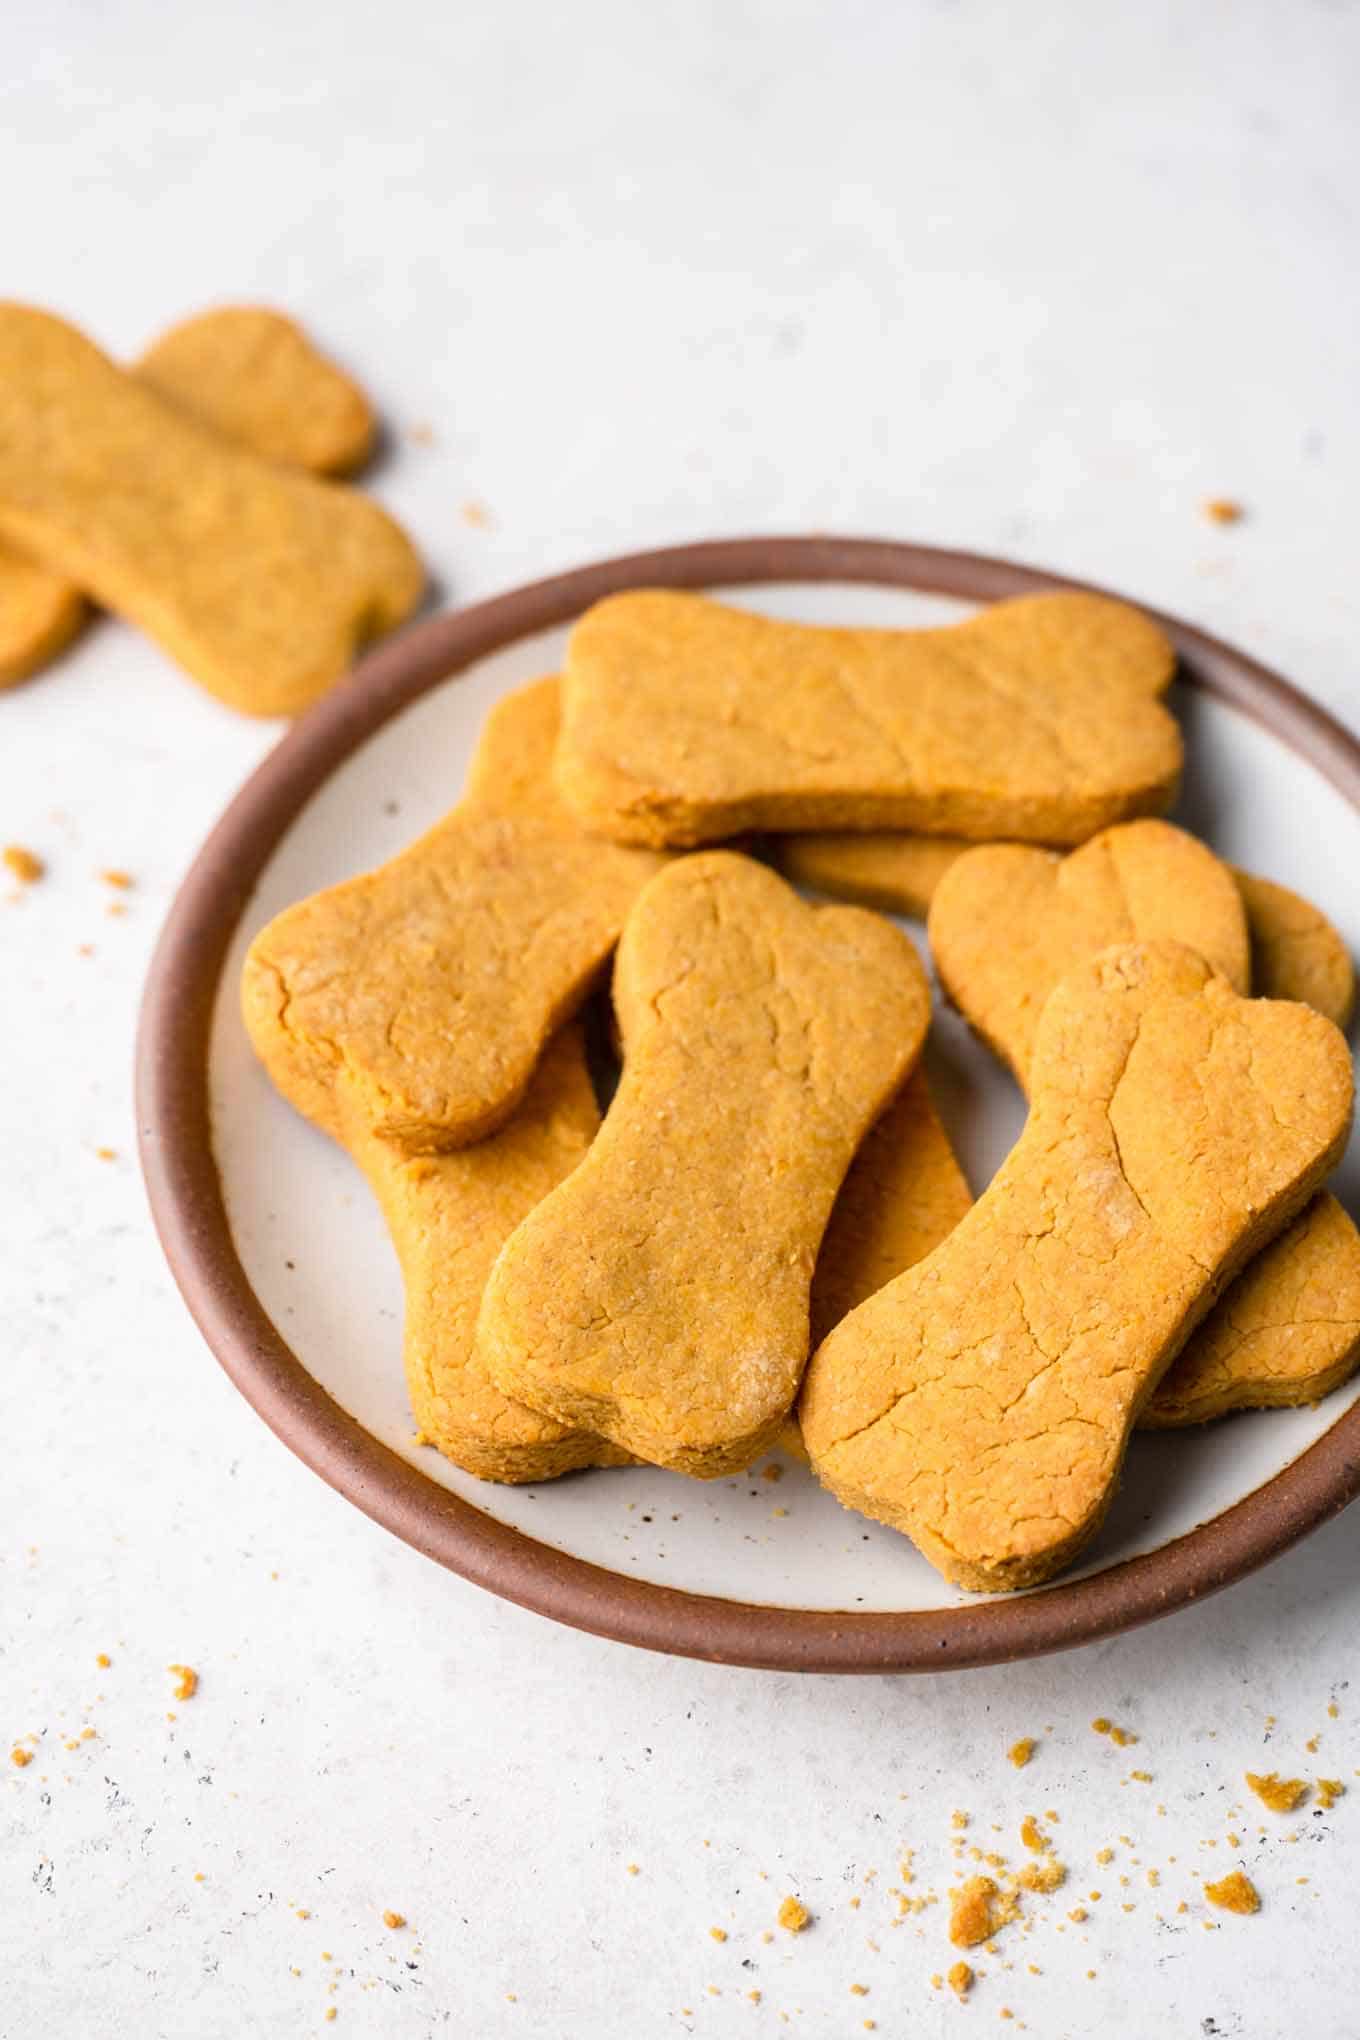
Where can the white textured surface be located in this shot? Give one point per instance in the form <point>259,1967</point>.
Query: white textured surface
<point>1029,281</point>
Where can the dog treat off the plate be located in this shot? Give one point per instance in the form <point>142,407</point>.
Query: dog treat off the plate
<point>40,612</point>
<point>684,721</point>
<point>1007,921</point>
<point>449,1216</point>
<point>255,377</point>
<point>1296,953</point>
<point>660,1296</point>
<point>982,1402</point>
<point>262,582</point>
<point>426,990</point>
<point>251,374</point>
<point>1005,925</point>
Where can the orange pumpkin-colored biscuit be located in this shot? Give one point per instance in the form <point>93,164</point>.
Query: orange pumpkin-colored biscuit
<point>982,1402</point>
<point>660,1296</point>
<point>685,721</point>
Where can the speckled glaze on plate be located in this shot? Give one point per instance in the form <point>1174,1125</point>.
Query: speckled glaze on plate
<point>284,1264</point>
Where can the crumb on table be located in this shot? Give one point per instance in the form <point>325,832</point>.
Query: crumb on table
<point>20,1756</point>
<point>188,1681</point>
<point>793,1915</point>
<point>1223,510</point>
<point>1281,1795</point>
<point>960,1979</point>
<point>1021,1752</point>
<point>25,865</point>
<point>394,1919</point>
<point>1329,1790</point>
<point>979,1908</point>
<point>1235,1893</point>
<point>122,881</point>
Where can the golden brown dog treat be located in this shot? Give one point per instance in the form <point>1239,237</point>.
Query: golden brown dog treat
<point>425,990</point>
<point>1286,1332</point>
<point>262,583</point>
<point>904,1193</point>
<point>685,721</point>
<point>982,1402</point>
<point>40,613</point>
<point>660,1297</point>
<point>1296,953</point>
<point>897,872</point>
<point>449,1216</point>
<point>1007,922</point>
<point>252,375</point>
<point>256,378</point>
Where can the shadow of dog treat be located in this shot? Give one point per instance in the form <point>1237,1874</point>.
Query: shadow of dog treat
<point>1005,925</point>
<point>263,583</point>
<point>661,1296</point>
<point>449,1216</point>
<point>684,721</point>
<point>426,990</point>
<point>250,374</point>
<point>982,1402</point>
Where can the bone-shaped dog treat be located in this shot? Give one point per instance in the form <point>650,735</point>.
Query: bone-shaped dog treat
<point>40,613</point>
<point>983,1401</point>
<point>660,1297</point>
<point>1286,1332</point>
<point>449,1216</point>
<point>261,582</point>
<point>425,990</point>
<point>252,375</point>
<point>255,377</point>
<point>1296,953</point>
<point>1008,922</point>
<point>684,721</point>
<point>903,1194</point>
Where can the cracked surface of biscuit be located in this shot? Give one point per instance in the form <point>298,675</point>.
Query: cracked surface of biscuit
<point>425,990</point>
<point>449,1216</point>
<point>1008,922</point>
<point>685,721</point>
<point>660,1296</point>
<point>982,1402</point>
<point>261,582</point>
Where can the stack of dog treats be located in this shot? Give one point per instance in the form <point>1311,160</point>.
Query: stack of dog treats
<point>193,495</point>
<point>768,1234</point>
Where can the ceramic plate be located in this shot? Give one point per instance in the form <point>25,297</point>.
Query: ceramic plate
<point>283,1259</point>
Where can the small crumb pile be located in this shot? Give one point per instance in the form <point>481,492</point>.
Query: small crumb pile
<point>793,1915</point>
<point>1235,1893</point>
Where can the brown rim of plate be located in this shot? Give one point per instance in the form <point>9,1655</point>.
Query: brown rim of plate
<point>187,1205</point>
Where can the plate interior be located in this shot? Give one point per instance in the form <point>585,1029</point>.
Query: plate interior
<point>315,1250</point>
